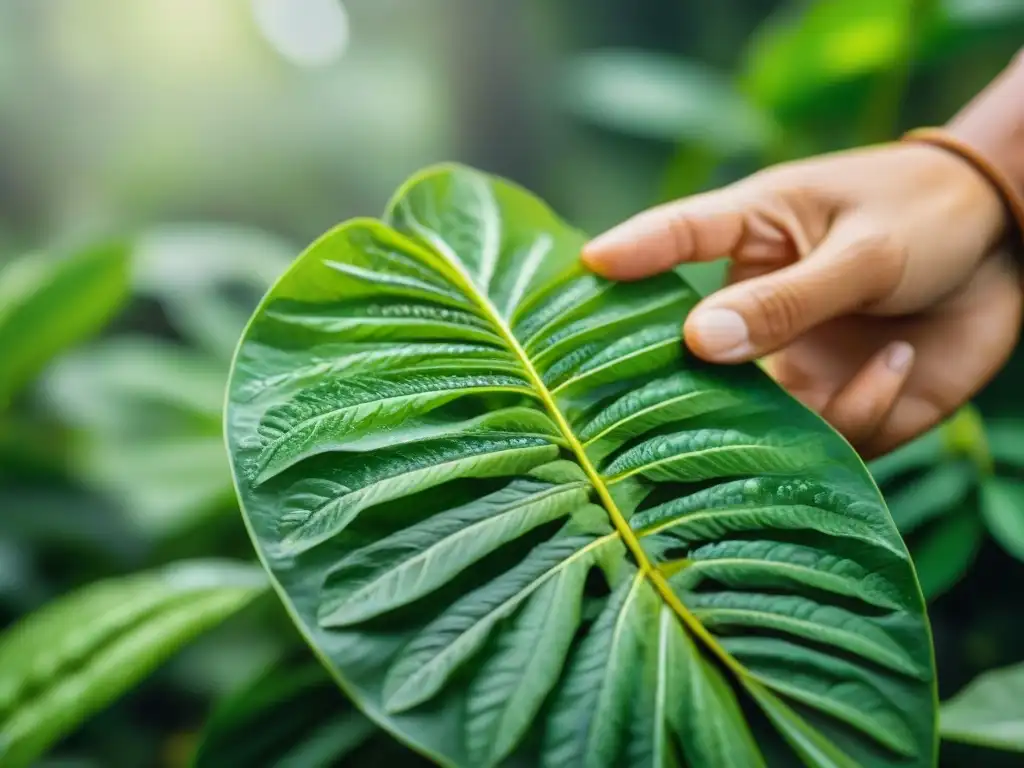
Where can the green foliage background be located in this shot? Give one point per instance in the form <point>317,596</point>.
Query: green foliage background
<point>119,123</point>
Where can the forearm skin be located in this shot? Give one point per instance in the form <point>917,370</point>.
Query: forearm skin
<point>993,123</point>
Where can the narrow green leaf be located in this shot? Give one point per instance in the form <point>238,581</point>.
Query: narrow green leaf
<point>49,304</point>
<point>989,712</point>
<point>813,749</point>
<point>591,708</point>
<point>323,419</point>
<point>292,714</point>
<point>61,665</point>
<point>925,451</point>
<point>781,565</point>
<point>703,709</point>
<point>854,694</point>
<point>1004,440</point>
<point>510,687</point>
<point>693,456</point>
<point>944,553</point>
<point>940,491</point>
<point>402,567</point>
<point>316,509</point>
<point>426,664</point>
<point>1002,507</point>
<point>659,97</point>
<point>798,616</point>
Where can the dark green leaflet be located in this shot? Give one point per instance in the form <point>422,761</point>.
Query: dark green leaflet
<point>520,523</point>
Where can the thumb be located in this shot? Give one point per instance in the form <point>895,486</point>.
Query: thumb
<point>725,222</point>
<point>846,273</point>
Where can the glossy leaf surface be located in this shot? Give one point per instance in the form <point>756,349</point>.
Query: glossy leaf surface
<point>66,662</point>
<point>520,524</point>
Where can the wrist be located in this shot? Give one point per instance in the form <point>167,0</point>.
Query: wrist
<point>990,131</point>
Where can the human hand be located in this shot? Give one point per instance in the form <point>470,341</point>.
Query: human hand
<point>873,280</point>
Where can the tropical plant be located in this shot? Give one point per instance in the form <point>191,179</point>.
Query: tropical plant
<point>950,486</point>
<point>516,522</point>
<point>79,653</point>
<point>112,467</point>
<point>89,646</point>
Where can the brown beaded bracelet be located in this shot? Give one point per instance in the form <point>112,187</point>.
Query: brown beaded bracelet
<point>1012,198</point>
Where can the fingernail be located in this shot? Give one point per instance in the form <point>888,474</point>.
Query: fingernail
<point>899,357</point>
<point>721,333</point>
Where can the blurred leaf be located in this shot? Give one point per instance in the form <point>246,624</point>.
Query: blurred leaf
<point>660,97</point>
<point>150,411</point>
<point>30,449</point>
<point>923,452</point>
<point>19,582</point>
<point>940,491</point>
<point>62,664</point>
<point>116,384</point>
<point>183,257</point>
<point>1002,507</point>
<point>49,304</point>
<point>989,712</point>
<point>946,551</point>
<point>291,715</point>
<point>965,434</point>
<point>65,518</point>
<point>1006,440</point>
<point>810,46</point>
<point>982,12</point>
<point>690,170</point>
<point>197,271</point>
<point>165,484</point>
<point>231,655</point>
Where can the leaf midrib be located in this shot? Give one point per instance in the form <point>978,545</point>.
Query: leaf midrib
<point>764,697</point>
<point>646,568</point>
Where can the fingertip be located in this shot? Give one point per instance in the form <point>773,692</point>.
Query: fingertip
<point>718,335</point>
<point>639,247</point>
<point>596,260</point>
<point>861,409</point>
<point>899,357</point>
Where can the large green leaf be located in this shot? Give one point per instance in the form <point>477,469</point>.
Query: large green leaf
<point>515,519</point>
<point>64,663</point>
<point>989,712</point>
<point>47,304</point>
